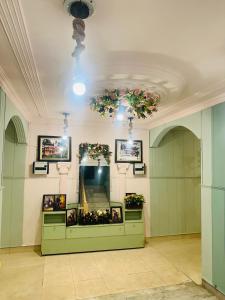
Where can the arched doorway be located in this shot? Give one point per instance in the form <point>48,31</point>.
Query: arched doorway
<point>14,155</point>
<point>175,196</point>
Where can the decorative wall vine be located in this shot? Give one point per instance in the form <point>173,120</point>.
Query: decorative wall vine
<point>94,151</point>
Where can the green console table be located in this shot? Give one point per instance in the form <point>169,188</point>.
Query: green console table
<point>57,238</point>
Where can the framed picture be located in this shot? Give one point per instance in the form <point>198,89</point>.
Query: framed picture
<point>116,214</point>
<point>126,152</point>
<point>59,202</point>
<point>54,202</point>
<point>71,217</point>
<point>54,148</point>
<point>48,202</point>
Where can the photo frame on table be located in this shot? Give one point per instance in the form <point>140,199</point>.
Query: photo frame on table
<point>71,217</point>
<point>126,152</point>
<point>54,148</point>
<point>54,202</point>
<point>48,202</point>
<point>116,214</point>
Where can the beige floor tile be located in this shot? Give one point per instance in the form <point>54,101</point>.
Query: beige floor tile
<point>56,267</point>
<point>91,288</point>
<point>172,277</point>
<point>26,275</point>
<point>146,280</point>
<point>85,273</point>
<point>21,283</point>
<point>57,259</point>
<point>58,278</point>
<point>59,292</point>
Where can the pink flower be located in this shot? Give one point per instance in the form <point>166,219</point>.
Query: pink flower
<point>136,92</point>
<point>123,92</point>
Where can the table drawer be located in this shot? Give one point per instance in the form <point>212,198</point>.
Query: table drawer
<point>134,228</point>
<point>94,231</point>
<point>54,232</point>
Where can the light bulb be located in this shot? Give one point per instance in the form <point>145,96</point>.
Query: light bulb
<point>130,141</point>
<point>120,117</point>
<point>99,170</point>
<point>79,88</point>
<point>84,158</point>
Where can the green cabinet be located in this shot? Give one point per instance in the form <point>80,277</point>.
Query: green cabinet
<point>54,232</point>
<point>134,228</point>
<point>57,238</point>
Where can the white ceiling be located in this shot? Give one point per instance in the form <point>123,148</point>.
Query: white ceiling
<point>175,47</point>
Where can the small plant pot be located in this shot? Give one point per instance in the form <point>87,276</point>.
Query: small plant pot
<point>134,206</point>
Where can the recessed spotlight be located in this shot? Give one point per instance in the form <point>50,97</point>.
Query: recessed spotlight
<point>79,88</point>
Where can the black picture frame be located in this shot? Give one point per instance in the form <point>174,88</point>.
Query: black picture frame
<point>60,202</point>
<point>71,217</point>
<point>48,202</point>
<point>51,147</point>
<point>54,202</point>
<point>119,211</point>
<point>120,154</point>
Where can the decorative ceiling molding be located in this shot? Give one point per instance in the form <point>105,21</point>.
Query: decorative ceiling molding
<point>209,97</point>
<point>12,19</point>
<point>10,92</point>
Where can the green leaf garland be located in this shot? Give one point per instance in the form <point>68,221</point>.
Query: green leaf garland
<point>94,151</point>
<point>137,102</point>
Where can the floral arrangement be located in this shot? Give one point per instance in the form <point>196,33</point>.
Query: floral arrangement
<point>134,201</point>
<point>94,151</point>
<point>138,103</point>
<point>95,217</point>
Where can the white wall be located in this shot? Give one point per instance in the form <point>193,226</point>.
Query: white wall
<point>36,186</point>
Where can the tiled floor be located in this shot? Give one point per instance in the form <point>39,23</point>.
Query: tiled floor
<point>25,275</point>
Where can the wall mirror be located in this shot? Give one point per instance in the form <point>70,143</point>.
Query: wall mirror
<point>94,186</point>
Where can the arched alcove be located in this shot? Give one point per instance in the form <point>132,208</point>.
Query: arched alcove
<point>155,141</point>
<point>19,129</point>
<point>175,177</point>
<point>14,155</point>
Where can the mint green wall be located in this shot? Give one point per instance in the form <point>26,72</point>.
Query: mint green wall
<point>218,196</point>
<point>175,178</point>
<point>12,169</point>
<point>201,125</point>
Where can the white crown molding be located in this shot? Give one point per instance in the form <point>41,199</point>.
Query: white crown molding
<point>10,92</point>
<point>199,101</point>
<point>13,21</point>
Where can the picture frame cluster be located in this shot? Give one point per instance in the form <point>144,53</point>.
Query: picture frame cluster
<point>54,202</point>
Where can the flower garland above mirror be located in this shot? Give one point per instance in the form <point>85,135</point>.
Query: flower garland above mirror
<point>134,102</point>
<point>94,151</point>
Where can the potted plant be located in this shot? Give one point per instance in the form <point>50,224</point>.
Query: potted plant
<point>134,201</point>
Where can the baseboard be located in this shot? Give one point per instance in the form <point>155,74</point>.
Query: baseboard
<point>20,249</point>
<point>213,290</point>
<point>174,237</point>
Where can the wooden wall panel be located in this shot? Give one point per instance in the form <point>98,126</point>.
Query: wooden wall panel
<point>175,184</point>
